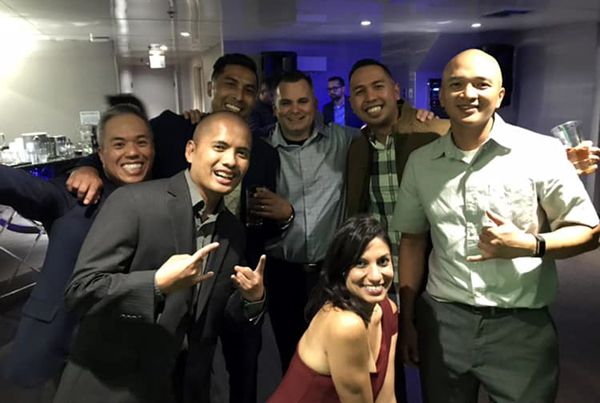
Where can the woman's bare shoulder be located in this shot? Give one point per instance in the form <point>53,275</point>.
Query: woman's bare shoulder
<point>343,325</point>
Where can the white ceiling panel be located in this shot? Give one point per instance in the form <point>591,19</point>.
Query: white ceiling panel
<point>134,24</point>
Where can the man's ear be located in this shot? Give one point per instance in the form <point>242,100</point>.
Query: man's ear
<point>397,91</point>
<point>101,155</point>
<point>501,94</point>
<point>190,147</point>
<point>209,88</point>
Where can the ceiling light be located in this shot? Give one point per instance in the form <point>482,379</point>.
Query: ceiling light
<point>365,23</point>
<point>164,48</point>
<point>476,25</point>
<point>184,34</point>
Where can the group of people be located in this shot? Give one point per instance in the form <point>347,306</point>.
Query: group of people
<point>349,221</point>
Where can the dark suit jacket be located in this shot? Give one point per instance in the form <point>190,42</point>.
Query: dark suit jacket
<point>350,118</point>
<point>128,342</point>
<point>44,334</point>
<point>172,132</point>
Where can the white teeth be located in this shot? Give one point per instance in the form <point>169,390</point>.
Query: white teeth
<point>374,109</point>
<point>223,175</point>
<point>132,168</point>
<point>233,108</point>
<point>374,288</point>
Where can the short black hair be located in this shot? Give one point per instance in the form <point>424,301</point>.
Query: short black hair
<point>118,110</point>
<point>117,99</point>
<point>345,251</point>
<point>338,79</point>
<point>237,59</point>
<point>270,82</point>
<point>295,76</point>
<point>369,62</point>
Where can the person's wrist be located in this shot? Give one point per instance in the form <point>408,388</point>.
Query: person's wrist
<point>254,296</point>
<point>540,246</point>
<point>290,218</point>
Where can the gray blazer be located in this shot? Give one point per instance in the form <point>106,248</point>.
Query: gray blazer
<point>128,342</point>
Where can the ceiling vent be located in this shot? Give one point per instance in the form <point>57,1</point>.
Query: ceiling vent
<point>506,13</point>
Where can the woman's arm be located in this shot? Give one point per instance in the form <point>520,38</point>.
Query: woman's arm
<point>387,394</point>
<point>348,356</point>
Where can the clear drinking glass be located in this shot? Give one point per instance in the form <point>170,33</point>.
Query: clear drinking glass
<point>578,150</point>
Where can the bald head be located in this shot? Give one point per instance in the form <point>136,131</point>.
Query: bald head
<point>475,59</point>
<point>220,118</point>
<point>471,88</point>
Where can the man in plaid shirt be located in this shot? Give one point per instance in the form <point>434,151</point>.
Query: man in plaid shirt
<point>376,159</point>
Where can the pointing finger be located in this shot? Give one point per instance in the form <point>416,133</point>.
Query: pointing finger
<point>202,252</point>
<point>497,219</point>
<point>260,267</point>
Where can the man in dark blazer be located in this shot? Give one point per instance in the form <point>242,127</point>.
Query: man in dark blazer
<point>40,347</point>
<point>145,291</point>
<point>339,107</point>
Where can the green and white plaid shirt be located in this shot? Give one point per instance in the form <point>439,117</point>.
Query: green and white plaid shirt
<point>383,187</point>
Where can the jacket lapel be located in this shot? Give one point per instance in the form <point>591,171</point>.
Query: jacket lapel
<point>214,263</point>
<point>180,213</point>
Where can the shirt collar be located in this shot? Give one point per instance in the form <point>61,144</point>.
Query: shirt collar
<point>499,135</point>
<point>277,139</point>
<point>198,203</point>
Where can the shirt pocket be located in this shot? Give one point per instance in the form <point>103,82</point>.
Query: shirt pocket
<point>515,201</point>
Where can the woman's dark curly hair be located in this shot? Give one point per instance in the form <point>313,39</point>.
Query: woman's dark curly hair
<point>345,251</point>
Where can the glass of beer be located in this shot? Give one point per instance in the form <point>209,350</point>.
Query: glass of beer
<point>578,150</point>
<point>252,220</point>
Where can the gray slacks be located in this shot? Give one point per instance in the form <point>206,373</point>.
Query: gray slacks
<point>511,353</point>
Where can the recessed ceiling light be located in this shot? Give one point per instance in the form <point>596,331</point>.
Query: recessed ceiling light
<point>185,34</point>
<point>164,48</point>
<point>365,23</point>
<point>444,22</point>
<point>476,25</point>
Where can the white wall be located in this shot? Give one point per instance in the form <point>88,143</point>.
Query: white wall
<point>154,87</point>
<point>193,87</point>
<point>557,81</point>
<point>54,83</point>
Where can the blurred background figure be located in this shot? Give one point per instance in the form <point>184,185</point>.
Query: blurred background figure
<point>262,114</point>
<point>339,110</point>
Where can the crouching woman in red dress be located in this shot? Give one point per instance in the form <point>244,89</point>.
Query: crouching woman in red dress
<point>347,352</point>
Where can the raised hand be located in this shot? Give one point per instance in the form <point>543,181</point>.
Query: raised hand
<point>250,282</point>
<point>503,240</point>
<point>183,271</point>
<point>423,115</point>
<point>194,116</point>
<point>86,182</point>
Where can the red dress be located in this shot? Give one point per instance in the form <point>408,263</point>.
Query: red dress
<point>303,385</point>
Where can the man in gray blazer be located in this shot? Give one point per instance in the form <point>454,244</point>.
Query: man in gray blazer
<point>156,277</point>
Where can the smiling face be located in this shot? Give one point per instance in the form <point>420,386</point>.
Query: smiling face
<point>295,108</point>
<point>471,88</point>
<point>219,155</point>
<point>234,90</point>
<point>374,96</point>
<point>126,149</point>
<point>371,277</point>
